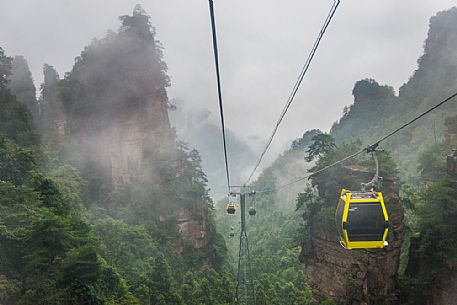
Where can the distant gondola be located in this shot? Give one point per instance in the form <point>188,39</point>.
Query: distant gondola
<point>231,209</point>
<point>232,231</point>
<point>252,211</point>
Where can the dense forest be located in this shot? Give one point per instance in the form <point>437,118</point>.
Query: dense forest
<point>102,201</point>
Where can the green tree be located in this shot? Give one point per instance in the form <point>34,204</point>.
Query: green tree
<point>15,119</point>
<point>49,255</point>
<point>305,140</point>
<point>321,145</point>
<point>5,68</point>
<point>437,220</point>
<point>16,163</point>
<point>161,284</point>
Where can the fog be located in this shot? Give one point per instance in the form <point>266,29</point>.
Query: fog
<point>263,45</point>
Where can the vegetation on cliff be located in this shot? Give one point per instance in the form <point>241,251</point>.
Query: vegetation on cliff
<point>49,255</point>
<point>431,267</point>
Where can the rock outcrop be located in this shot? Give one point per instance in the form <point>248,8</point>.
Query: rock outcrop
<point>147,128</point>
<point>355,277</point>
<point>446,294</point>
<point>192,226</point>
<point>117,125</point>
<point>443,292</point>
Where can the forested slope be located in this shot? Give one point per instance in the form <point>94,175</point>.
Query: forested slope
<point>49,254</point>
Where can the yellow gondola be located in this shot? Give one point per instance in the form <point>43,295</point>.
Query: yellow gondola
<point>231,209</point>
<point>362,220</point>
<point>361,217</point>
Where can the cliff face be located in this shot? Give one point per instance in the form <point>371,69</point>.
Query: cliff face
<point>192,226</point>
<point>355,277</point>
<point>135,132</point>
<point>117,147</point>
<point>116,103</point>
<point>115,109</point>
<point>447,292</point>
<point>443,292</point>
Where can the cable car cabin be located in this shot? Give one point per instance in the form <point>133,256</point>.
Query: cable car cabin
<point>252,211</point>
<point>232,231</point>
<point>361,220</point>
<point>231,209</point>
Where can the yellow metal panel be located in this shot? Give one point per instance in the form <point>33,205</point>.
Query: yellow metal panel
<point>386,216</point>
<point>346,197</point>
<point>346,237</point>
<point>339,221</point>
<point>365,244</point>
<point>346,206</point>
<point>364,200</point>
<point>347,201</point>
<point>384,237</point>
<point>383,206</point>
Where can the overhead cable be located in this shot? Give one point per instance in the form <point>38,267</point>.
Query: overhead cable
<point>416,118</point>
<point>302,74</point>
<point>368,148</point>
<point>219,90</point>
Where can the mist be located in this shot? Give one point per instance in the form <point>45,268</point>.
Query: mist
<point>112,163</point>
<point>263,45</point>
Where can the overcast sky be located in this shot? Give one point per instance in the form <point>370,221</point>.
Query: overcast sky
<point>263,45</point>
